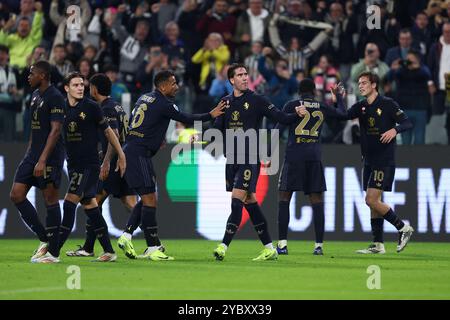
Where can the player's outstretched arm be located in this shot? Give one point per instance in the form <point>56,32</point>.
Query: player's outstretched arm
<point>176,115</point>
<point>52,139</point>
<point>114,141</point>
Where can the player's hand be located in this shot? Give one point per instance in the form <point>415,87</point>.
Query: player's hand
<point>301,110</point>
<point>218,110</point>
<point>104,171</point>
<point>388,136</point>
<point>121,164</point>
<point>39,169</point>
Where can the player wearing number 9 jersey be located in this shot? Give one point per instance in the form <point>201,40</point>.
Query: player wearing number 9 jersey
<point>151,116</point>
<point>302,169</point>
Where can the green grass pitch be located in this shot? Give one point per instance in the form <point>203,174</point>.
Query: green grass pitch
<point>422,271</point>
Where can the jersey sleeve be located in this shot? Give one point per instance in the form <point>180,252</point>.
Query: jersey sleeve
<point>171,111</point>
<point>111,117</point>
<point>400,117</point>
<point>56,106</point>
<point>269,110</point>
<point>99,118</point>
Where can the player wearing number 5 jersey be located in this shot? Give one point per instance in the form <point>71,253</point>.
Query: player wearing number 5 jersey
<point>302,169</point>
<point>151,117</point>
<point>380,120</point>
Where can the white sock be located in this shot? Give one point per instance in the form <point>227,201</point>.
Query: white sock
<point>127,235</point>
<point>318,245</point>
<point>282,243</point>
<point>225,246</point>
<point>269,246</point>
<point>152,249</point>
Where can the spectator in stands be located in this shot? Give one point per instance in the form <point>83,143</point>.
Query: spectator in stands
<point>64,34</point>
<point>413,94</point>
<point>213,57</point>
<point>28,36</point>
<point>281,84</point>
<point>421,34</point>
<point>171,43</point>
<point>133,50</point>
<point>86,69</point>
<point>153,63</point>
<point>26,10</point>
<point>217,20</point>
<point>325,76</point>
<point>10,97</point>
<point>372,63</point>
<point>255,79</point>
<point>439,63</point>
<point>395,54</point>
<point>251,27</point>
<point>63,65</point>
<point>118,88</point>
<point>220,86</point>
<point>164,12</point>
<point>341,38</point>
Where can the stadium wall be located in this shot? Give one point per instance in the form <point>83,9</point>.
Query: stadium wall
<point>192,202</point>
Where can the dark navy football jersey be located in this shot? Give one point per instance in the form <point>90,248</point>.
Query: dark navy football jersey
<point>116,118</point>
<point>151,116</point>
<point>81,127</point>
<point>247,112</point>
<point>45,108</point>
<point>304,134</point>
<point>374,120</point>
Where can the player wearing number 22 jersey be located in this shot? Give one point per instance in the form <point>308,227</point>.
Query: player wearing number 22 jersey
<point>302,169</point>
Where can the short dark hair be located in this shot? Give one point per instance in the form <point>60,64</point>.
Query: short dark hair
<point>306,86</point>
<point>404,30</point>
<point>102,83</point>
<point>162,77</point>
<point>71,76</point>
<point>233,67</point>
<point>373,78</point>
<point>4,48</point>
<point>44,67</point>
<point>59,45</point>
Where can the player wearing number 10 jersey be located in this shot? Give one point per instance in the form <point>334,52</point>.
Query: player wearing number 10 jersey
<point>302,169</point>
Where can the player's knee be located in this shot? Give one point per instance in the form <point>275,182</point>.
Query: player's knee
<point>371,201</point>
<point>316,198</point>
<point>51,199</point>
<point>17,196</point>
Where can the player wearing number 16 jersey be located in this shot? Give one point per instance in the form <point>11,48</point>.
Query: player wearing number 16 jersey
<point>151,118</point>
<point>302,169</point>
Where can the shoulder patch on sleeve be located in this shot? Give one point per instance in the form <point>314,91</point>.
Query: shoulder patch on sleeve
<point>175,107</point>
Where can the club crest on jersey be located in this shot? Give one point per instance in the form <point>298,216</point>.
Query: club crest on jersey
<point>235,116</point>
<point>82,115</point>
<point>246,106</point>
<point>371,122</point>
<point>72,126</point>
<point>379,112</point>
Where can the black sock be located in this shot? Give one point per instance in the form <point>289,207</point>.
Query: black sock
<point>259,222</point>
<point>377,229</point>
<point>53,222</point>
<point>283,219</point>
<point>68,220</point>
<point>234,220</point>
<point>393,219</point>
<point>135,218</point>
<point>100,228</point>
<point>90,236</point>
<point>319,221</point>
<point>150,226</point>
<point>30,217</point>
